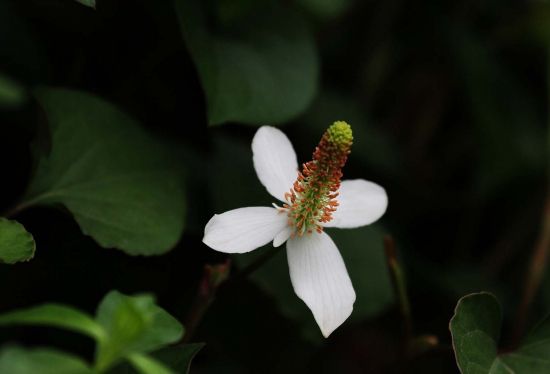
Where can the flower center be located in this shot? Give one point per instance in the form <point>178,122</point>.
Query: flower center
<point>312,199</point>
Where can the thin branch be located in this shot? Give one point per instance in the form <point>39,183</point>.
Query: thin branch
<point>213,276</point>
<point>399,286</point>
<point>535,273</point>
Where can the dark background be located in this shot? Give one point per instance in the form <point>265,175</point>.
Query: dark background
<point>453,94</point>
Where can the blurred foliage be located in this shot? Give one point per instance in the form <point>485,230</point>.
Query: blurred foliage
<point>263,67</point>
<point>449,106</point>
<point>125,327</point>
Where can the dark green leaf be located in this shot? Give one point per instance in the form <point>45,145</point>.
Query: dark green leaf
<point>134,324</point>
<point>14,360</point>
<point>55,315</point>
<point>475,329</point>
<point>504,112</point>
<point>90,3</point>
<point>16,243</point>
<point>11,93</point>
<point>260,66</point>
<point>114,178</point>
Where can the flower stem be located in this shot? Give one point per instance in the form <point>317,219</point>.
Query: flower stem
<point>399,287</point>
<point>539,258</point>
<point>13,211</point>
<point>535,273</point>
<point>213,277</point>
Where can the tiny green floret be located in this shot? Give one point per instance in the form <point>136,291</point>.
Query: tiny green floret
<point>312,199</point>
<point>340,134</point>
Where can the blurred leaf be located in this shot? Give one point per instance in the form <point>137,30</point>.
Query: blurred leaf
<point>55,315</point>
<point>15,360</point>
<point>90,3</point>
<point>261,68</point>
<point>475,329</point>
<point>509,128</point>
<point>113,177</point>
<point>326,8</point>
<point>364,258</point>
<point>133,324</point>
<point>148,365</point>
<point>11,93</point>
<point>16,243</point>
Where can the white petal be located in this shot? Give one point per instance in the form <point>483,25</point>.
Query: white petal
<point>274,160</point>
<point>320,279</point>
<point>282,237</point>
<point>360,203</point>
<point>244,229</point>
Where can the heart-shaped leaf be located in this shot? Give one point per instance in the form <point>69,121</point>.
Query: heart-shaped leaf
<point>16,243</point>
<point>118,182</point>
<point>260,65</point>
<point>475,329</point>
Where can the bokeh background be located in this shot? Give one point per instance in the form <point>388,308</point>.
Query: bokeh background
<point>449,107</point>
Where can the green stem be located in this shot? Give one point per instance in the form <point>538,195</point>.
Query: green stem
<point>11,212</point>
<point>400,287</point>
<point>539,258</point>
<point>535,273</point>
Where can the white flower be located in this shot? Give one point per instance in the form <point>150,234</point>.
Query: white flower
<point>317,271</point>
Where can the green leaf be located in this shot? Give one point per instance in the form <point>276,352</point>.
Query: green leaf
<point>55,315</point>
<point>364,258</point>
<point>504,112</point>
<point>15,360</point>
<point>116,180</point>
<point>11,93</point>
<point>475,329</point>
<point>134,324</point>
<point>90,3</point>
<point>148,365</point>
<point>16,243</point>
<point>260,65</point>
